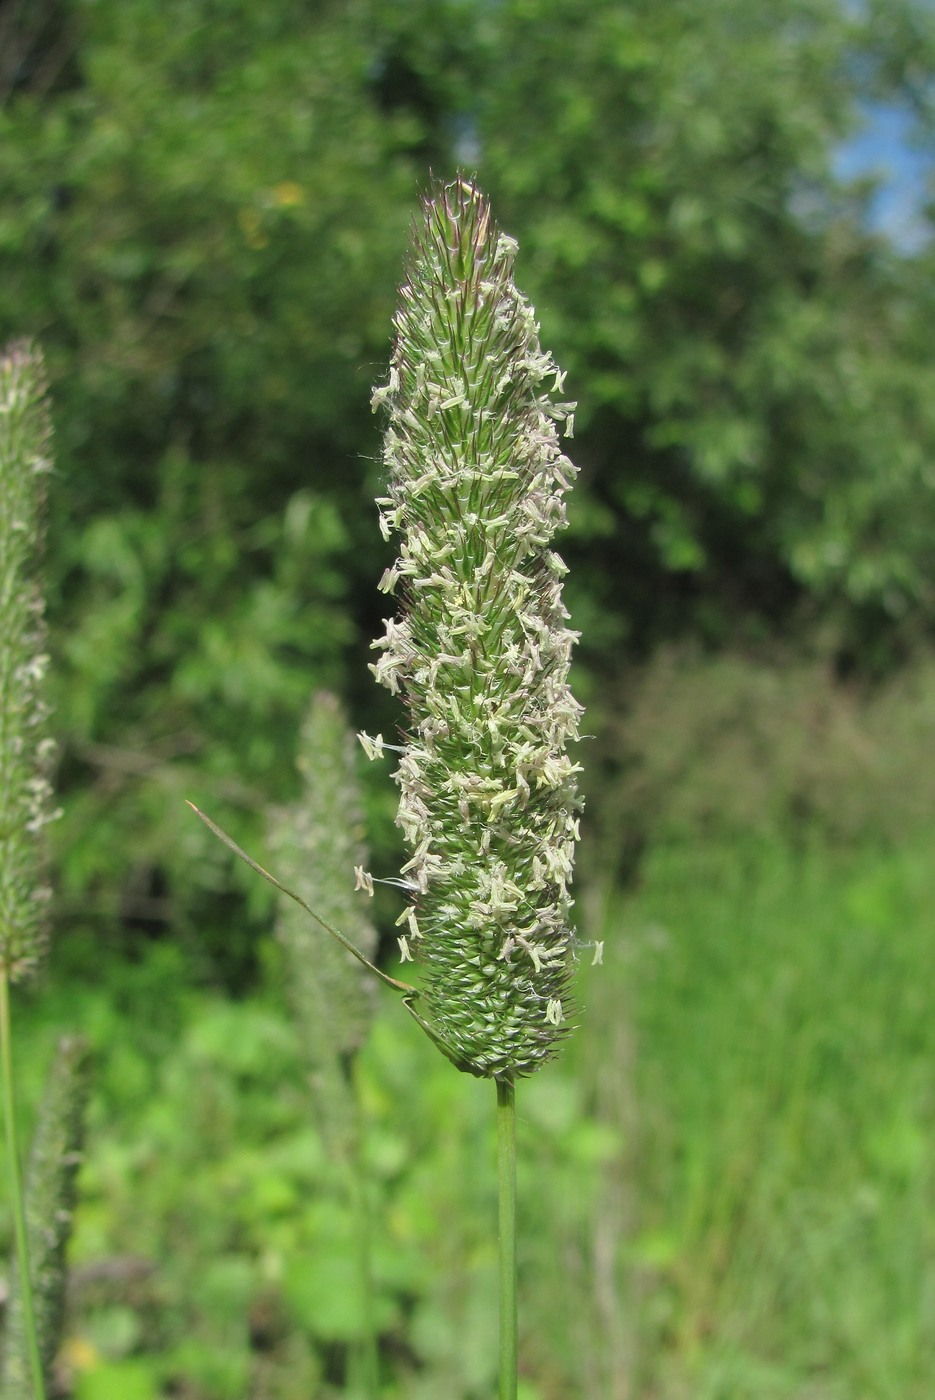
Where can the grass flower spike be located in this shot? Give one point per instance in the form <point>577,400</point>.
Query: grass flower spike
<point>480,651</point>
<point>25,756</point>
<point>25,750</point>
<point>318,843</point>
<point>50,1204</point>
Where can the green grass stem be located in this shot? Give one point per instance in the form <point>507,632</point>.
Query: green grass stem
<point>367,1357</point>
<point>506,1174</point>
<point>17,1199</point>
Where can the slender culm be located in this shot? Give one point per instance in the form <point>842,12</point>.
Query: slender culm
<point>480,651</point>
<point>25,749</point>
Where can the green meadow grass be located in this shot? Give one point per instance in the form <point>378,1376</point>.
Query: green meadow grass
<point>725,1183</point>
<point>784,1201</point>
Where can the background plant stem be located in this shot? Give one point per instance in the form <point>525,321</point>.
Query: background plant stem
<point>368,1357</point>
<point>17,1201</point>
<point>506,1164</point>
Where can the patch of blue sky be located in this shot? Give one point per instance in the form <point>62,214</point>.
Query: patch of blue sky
<point>884,150</point>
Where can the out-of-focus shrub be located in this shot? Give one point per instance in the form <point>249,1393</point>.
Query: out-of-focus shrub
<point>726,746</point>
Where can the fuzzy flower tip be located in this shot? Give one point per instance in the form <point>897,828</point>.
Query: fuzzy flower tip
<point>25,750</point>
<point>480,651</point>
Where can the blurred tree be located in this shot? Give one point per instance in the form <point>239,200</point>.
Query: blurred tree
<point>204,228</point>
<point>756,425</point>
<point>210,224</point>
<point>203,209</point>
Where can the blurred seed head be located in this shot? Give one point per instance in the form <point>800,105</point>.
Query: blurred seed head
<point>317,843</point>
<point>26,751</point>
<point>51,1194</point>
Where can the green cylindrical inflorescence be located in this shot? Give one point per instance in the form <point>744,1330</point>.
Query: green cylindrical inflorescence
<point>51,1192</point>
<point>318,842</point>
<point>25,750</point>
<point>480,652</point>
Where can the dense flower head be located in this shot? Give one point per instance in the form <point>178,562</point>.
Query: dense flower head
<point>317,841</point>
<point>25,749</point>
<point>480,651</point>
<point>54,1163</point>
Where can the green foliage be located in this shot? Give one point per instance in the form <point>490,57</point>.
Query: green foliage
<point>218,215</point>
<point>220,1262</point>
<point>202,217</point>
<point>755,425</point>
<point>785,1122</point>
<point>726,1171</point>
